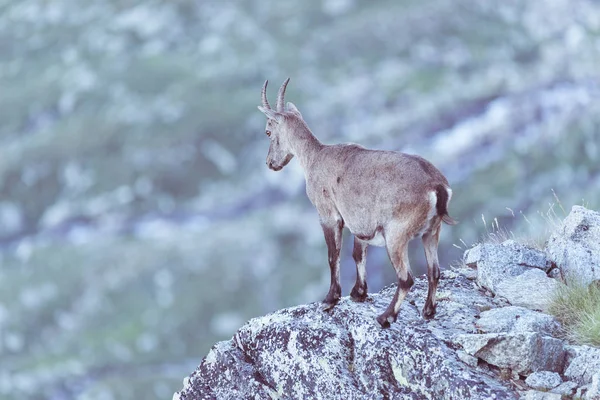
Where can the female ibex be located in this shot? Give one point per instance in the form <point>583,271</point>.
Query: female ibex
<point>385,198</point>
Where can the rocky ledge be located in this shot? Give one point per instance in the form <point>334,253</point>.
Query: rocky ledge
<point>489,339</point>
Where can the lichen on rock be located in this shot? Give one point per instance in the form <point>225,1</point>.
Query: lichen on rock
<point>575,246</point>
<point>478,345</point>
<point>304,352</point>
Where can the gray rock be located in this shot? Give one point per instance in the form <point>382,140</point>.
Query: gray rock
<point>583,362</point>
<point>517,319</point>
<point>554,273</point>
<point>474,255</point>
<point>521,352</point>
<point>575,246</point>
<point>303,352</point>
<point>536,395</point>
<point>543,380</point>
<point>468,272</point>
<point>594,389</point>
<point>497,262</point>
<point>566,388</point>
<point>532,289</point>
<point>581,392</point>
<point>467,358</point>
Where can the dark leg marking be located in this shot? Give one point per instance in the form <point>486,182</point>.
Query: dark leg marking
<point>333,239</point>
<point>430,305</point>
<point>390,315</point>
<point>398,252</point>
<point>359,291</point>
<point>430,244</point>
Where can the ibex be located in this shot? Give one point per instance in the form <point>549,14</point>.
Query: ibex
<point>385,198</point>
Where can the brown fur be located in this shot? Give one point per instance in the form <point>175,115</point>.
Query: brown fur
<point>382,197</point>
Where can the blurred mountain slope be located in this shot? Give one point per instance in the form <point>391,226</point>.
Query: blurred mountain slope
<point>138,221</point>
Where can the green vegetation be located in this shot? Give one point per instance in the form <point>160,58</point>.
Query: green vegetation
<point>577,307</point>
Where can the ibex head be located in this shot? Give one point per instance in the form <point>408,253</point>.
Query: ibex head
<point>278,127</point>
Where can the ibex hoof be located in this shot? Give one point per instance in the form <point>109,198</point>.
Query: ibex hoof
<point>359,294</point>
<point>428,312</point>
<point>385,320</point>
<point>330,302</point>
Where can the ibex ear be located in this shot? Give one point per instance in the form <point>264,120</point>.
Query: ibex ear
<point>293,109</point>
<point>271,114</point>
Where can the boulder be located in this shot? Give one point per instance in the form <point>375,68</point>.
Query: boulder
<point>304,352</point>
<point>521,352</point>
<point>496,263</point>
<point>583,362</point>
<point>543,380</point>
<point>532,289</point>
<point>517,319</point>
<point>575,246</point>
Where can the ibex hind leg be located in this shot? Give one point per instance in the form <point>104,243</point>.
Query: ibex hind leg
<point>397,247</point>
<point>430,243</point>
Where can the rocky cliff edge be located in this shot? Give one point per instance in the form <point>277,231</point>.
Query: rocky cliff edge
<point>490,338</point>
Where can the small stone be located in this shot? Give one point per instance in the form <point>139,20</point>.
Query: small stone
<point>517,319</point>
<point>554,273</point>
<point>473,256</point>
<point>515,375</point>
<point>467,358</point>
<point>581,392</point>
<point>482,307</point>
<point>543,380</point>
<point>566,388</point>
<point>584,362</point>
<point>469,273</point>
<point>536,395</point>
<point>521,352</point>
<point>594,390</point>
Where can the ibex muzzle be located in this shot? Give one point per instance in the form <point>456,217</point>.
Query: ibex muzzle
<point>385,198</point>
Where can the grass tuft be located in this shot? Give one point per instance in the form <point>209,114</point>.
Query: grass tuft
<point>533,232</point>
<point>577,307</point>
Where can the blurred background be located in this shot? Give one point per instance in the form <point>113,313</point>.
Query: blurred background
<point>138,221</point>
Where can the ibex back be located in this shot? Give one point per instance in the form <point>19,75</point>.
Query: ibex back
<point>385,198</point>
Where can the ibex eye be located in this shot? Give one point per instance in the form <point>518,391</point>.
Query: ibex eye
<point>268,133</point>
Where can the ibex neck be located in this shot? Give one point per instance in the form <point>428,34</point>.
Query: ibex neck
<point>304,145</point>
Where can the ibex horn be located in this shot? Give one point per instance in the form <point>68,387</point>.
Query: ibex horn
<point>265,102</point>
<point>281,95</point>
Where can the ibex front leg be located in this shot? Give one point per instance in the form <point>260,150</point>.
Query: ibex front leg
<point>333,238</point>
<point>359,291</point>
